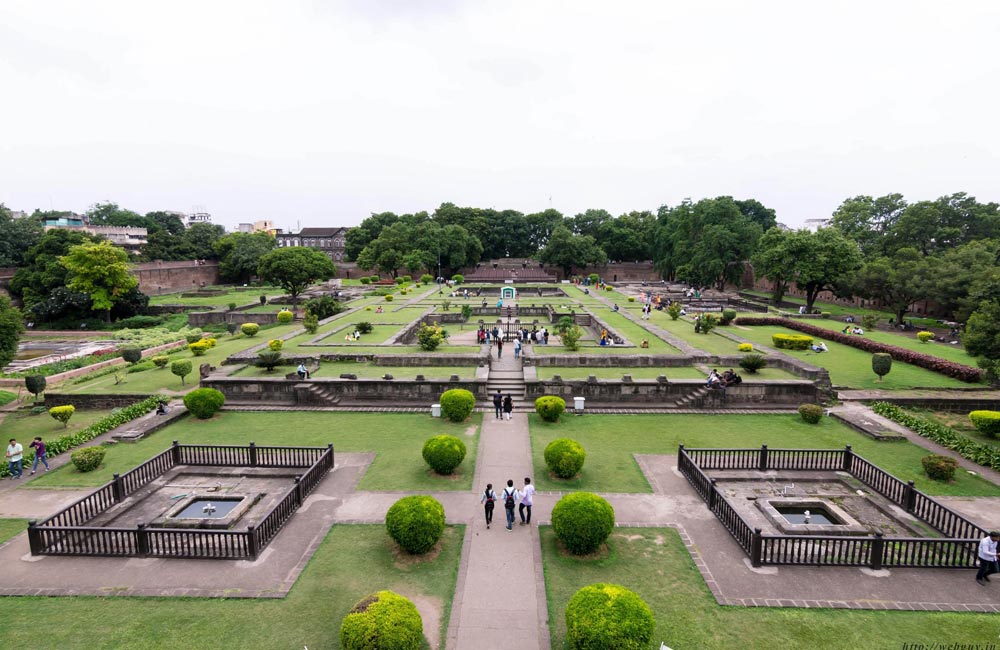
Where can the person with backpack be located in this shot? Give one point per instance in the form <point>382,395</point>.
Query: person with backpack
<point>488,500</point>
<point>508,407</point>
<point>526,501</point>
<point>498,404</point>
<point>510,496</point>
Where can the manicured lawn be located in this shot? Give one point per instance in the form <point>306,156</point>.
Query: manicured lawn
<point>839,311</point>
<point>352,562</point>
<point>396,438</point>
<point>366,371</point>
<point>954,353</point>
<point>851,367</point>
<point>611,440</point>
<point>654,563</point>
<point>444,350</point>
<point>24,426</point>
<point>958,421</point>
<point>633,332</point>
<point>684,372</point>
<point>9,528</point>
<point>239,297</point>
<point>6,397</point>
<point>683,328</point>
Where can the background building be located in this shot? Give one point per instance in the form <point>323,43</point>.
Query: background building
<point>329,241</point>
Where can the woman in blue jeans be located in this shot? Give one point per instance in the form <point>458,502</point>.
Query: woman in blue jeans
<point>39,448</point>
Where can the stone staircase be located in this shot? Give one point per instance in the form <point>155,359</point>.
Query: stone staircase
<point>507,376</point>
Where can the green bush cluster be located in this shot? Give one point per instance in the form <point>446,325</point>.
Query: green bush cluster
<point>458,278</point>
<point>415,523</point>
<point>138,322</point>
<point>132,353</point>
<point>62,413</point>
<point>881,364</point>
<point>249,329</point>
<point>311,323</point>
<point>275,345</point>
<point>811,413</point>
<point>582,521</point>
<point>791,341</point>
<point>550,407</point>
<point>366,280</point>
<point>285,316</point>
<point>608,616</point>
<point>727,316</point>
<point>986,422</point>
<point>268,359</point>
<point>181,368</point>
<point>426,278</point>
<point>939,468</point>
<point>986,455</point>
<point>203,403</point>
<point>35,384</point>
<point>431,336</point>
<point>388,297</point>
<point>457,404</point>
<point>199,348</point>
<point>153,337</point>
<point>444,453</point>
<point>193,336</point>
<point>382,621</point>
<point>752,363</point>
<point>674,310</point>
<point>88,459</point>
<point>564,457</point>
<point>364,327</point>
<point>924,337</point>
<point>160,360</point>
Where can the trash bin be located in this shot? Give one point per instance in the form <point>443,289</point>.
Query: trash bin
<point>435,410</point>
<point>578,404</point>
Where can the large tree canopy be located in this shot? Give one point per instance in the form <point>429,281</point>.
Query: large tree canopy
<point>16,237</point>
<point>829,259</point>
<point>239,254</point>
<point>897,281</point>
<point>42,271</point>
<point>294,269</point>
<point>567,250</point>
<point>419,245</point>
<point>11,327</point>
<point>101,271</point>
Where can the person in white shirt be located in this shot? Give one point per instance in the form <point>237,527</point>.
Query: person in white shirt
<point>15,454</point>
<point>987,557</point>
<point>510,496</point>
<point>526,501</point>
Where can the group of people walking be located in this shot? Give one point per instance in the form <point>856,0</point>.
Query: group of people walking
<point>504,405</point>
<point>512,498</point>
<point>15,457</point>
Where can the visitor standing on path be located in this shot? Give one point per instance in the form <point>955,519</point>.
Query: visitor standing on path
<point>526,501</point>
<point>39,448</point>
<point>499,348</point>
<point>15,453</point>
<point>508,406</point>
<point>488,500</point>
<point>498,403</point>
<point>517,348</point>
<point>510,496</point>
<point>987,557</point>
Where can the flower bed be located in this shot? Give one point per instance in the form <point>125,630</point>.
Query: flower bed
<point>945,436</point>
<point>936,364</point>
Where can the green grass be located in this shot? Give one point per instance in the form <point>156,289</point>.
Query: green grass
<point>683,372</point>
<point>839,311</point>
<point>654,563</point>
<point>24,426</point>
<point>352,562</point>
<point>397,440</point>
<point>366,371</point>
<point>239,297</point>
<point>958,421</point>
<point>11,527</point>
<point>634,333</point>
<point>611,440</point>
<point>954,353</point>
<point>683,328</point>
<point>6,397</point>
<point>851,367</point>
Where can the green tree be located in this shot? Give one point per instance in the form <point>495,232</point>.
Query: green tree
<point>897,281</point>
<point>566,250</point>
<point>868,221</point>
<point>42,271</point>
<point>101,271</point>
<point>239,254</point>
<point>947,222</point>
<point>629,237</point>
<point>16,237</point>
<point>541,225</point>
<point>982,337</point>
<point>829,259</point>
<point>962,274</point>
<point>365,233</point>
<point>201,238</point>
<point>294,269</point>
<point>779,252</point>
<point>11,328</point>
<point>110,214</point>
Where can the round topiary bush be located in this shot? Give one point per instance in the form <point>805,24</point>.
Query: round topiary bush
<point>986,422</point>
<point>415,523</point>
<point>608,616</point>
<point>752,363</point>
<point>811,413</point>
<point>727,316</point>
<point>181,368</point>
<point>458,278</point>
<point>550,407</point>
<point>203,403</point>
<point>62,413</point>
<point>193,337</point>
<point>564,457</point>
<point>582,521</point>
<point>745,347</point>
<point>161,361</point>
<point>444,453</point>
<point>881,364</point>
<point>382,621</point>
<point>366,280</point>
<point>457,404</point>
<point>132,353</point>
<point>87,459</point>
<point>924,337</point>
<point>939,468</point>
<point>249,329</point>
<point>198,348</point>
<point>388,297</point>
<point>285,316</point>
<point>426,278</point>
<point>275,345</point>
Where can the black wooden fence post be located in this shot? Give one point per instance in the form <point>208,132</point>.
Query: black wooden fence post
<point>755,548</point>
<point>34,537</point>
<point>877,551</point>
<point>142,539</point>
<point>253,454</point>
<point>762,458</point>
<point>176,449</point>
<point>299,490</point>
<point>712,495</point>
<point>330,462</point>
<point>252,547</point>
<point>848,458</point>
<point>909,496</point>
<point>116,488</point>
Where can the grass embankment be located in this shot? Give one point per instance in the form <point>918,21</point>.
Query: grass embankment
<point>366,371</point>
<point>683,372</point>
<point>352,562</point>
<point>654,563</point>
<point>397,440</point>
<point>611,441</point>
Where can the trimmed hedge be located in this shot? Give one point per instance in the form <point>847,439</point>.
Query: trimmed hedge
<point>582,521</point>
<point>457,404</point>
<point>250,329</point>
<point>791,341</point>
<point>745,347</point>
<point>948,368</point>
<point>160,360</point>
<point>88,459</point>
<point>811,413</point>
<point>939,468</point>
<point>608,616</point>
<point>444,453</point>
<point>382,621</point>
<point>62,413</point>
<point>285,316</point>
<point>985,455</point>
<point>986,422</point>
<point>564,457</point>
<point>203,403</point>
<point>415,523</point>
<point>550,407</point>
<point>198,348</point>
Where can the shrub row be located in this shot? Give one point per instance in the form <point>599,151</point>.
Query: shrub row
<point>63,443</point>
<point>968,448</point>
<point>949,368</point>
<point>791,341</point>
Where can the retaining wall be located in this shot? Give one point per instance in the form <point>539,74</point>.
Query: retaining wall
<point>650,391</point>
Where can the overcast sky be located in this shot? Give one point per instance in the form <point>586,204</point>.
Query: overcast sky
<point>320,113</point>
